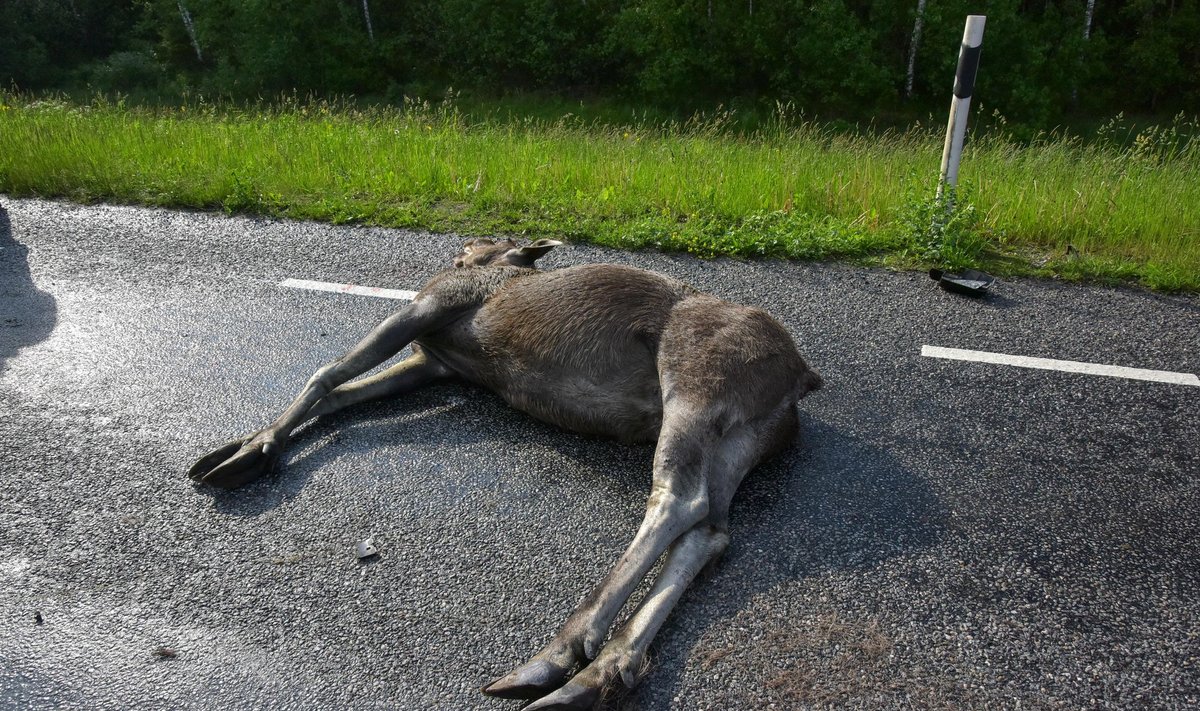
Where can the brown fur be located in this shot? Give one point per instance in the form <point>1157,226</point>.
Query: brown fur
<point>600,349</point>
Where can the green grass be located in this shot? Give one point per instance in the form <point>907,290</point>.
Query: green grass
<point>789,189</point>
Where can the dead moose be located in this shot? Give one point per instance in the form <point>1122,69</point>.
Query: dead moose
<point>599,349</point>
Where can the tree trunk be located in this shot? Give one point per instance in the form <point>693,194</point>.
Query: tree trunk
<point>191,29</point>
<point>918,25</point>
<point>367,17</point>
<point>1087,35</point>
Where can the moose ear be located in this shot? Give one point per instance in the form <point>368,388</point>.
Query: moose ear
<point>526,256</point>
<point>472,244</point>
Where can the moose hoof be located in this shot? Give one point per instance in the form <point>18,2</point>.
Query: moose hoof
<point>572,697</point>
<point>235,463</point>
<point>529,681</point>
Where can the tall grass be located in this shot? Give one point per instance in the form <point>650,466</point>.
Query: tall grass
<point>789,189</point>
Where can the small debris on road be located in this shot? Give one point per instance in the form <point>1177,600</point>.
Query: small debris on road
<point>970,282</point>
<point>37,618</point>
<point>165,653</point>
<point>365,550</point>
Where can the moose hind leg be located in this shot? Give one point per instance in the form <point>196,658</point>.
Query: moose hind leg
<point>678,501</point>
<point>623,657</point>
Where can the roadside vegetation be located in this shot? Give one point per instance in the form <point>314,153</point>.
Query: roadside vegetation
<point>1122,205</point>
<point>852,177</point>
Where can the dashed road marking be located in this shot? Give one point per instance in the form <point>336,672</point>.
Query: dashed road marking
<point>378,292</point>
<point>1069,366</point>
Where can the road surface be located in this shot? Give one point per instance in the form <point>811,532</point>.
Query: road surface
<point>948,534</point>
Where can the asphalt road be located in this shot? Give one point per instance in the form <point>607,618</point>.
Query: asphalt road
<point>948,534</point>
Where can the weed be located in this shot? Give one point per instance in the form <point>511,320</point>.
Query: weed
<point>242,196</point>
<point>946,229</point>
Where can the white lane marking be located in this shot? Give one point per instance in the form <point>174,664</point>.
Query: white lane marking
<point>376,291</point>
<point>1070,366</point>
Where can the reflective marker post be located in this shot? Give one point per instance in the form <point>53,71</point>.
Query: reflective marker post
<point>960,105</point>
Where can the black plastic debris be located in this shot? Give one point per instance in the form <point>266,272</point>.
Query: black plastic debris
<point>365,549</point>
<point>37,617</point>
<point>165,653</point>
<point>970,282</point>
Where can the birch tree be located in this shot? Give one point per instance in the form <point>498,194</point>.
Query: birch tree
<point>918,25</point>
<point>1087,35</point>
<point>367,18</point>
<point>191,29</point>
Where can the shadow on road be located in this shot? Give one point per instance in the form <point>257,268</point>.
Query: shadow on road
<point>361,431</point>
<point>27,316</point>
<point>834,503</point>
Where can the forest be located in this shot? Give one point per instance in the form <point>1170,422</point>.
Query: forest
<point>1045,62</point>
<point>796,129</point>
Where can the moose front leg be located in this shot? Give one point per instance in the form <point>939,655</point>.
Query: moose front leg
<point>243,460</point>
<point>409,374</point>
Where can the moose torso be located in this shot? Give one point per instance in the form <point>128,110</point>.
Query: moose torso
<point>576,347</point>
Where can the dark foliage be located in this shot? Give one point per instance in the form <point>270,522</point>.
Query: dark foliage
<point>832,58</point>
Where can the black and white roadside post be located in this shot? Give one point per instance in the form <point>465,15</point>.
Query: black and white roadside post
<point>960,105</point>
